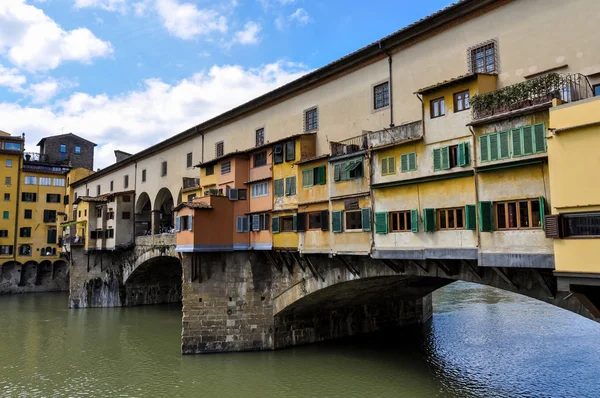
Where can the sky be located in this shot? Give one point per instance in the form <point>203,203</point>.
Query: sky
<point>127,74</point>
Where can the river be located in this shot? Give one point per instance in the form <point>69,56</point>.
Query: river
<point>481,342</point>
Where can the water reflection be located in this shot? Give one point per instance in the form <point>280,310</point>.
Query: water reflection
<point>481,342</point>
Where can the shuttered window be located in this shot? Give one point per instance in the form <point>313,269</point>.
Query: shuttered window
<point>464,154</point>
<point>414,220</point>
<point>526,140</point>
<point>290,186</point>
<point>256,222</point>
<point>381,222</point>
<point>348,170</point>
<point>429,220</point>
<point>366,219</point>
<point>301,222</point>
<point>486,217</point>
<point>275,225</point>
<point>336,221</point>
<point>388,166</point>
<point>471,217</point>
<point>278,187</point>
<point>408,162</point>
<point>51,236</point>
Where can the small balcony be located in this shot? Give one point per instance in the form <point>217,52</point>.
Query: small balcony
<point>190,184</point>
<point>533,93</point>
<point>349,146</point>
<point>396,135</point>
<point>74,240</point>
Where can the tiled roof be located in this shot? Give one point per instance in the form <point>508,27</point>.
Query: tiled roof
<point>193,205</point>
<point>454,80</point>
<point>313,158</point>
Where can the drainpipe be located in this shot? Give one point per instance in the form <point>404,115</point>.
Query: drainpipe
<point>368,156</point>
<point>391,86</point>
<point>202,154</point>
<point>476,177</point>
<point>422,114</point>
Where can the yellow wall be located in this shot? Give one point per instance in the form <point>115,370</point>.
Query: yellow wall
<point>285,240</point>
<point>315,241</point>
<point>349,187</point>
<point>11,204</point>
<point>316,192</point>
<point>283,170</point>
<point>351,242</point>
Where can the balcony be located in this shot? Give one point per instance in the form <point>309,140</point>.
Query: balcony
<point>349,146</point>
<point>396,135</point>
<point>190,184</point>
<point>534,93</point>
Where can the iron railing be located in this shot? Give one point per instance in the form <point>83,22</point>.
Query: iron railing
<point>351,145</point>
<point>36,157</point>
<point>536,91</point>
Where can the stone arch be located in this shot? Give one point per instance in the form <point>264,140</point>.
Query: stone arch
<point>163,206</point>
<point>180,197</point>
<point>60,269</point>
<point>44,273</point>
<point>29,271</point>
<point>143,214</point>
<point>155,280</point>
<point>10,274</point>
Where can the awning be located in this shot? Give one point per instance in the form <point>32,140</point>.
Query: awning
<point>69,223</point>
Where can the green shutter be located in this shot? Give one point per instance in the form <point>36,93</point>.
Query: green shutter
<point>392,165</point>
<point>542,211</point>
<point>337,172</point>
<point>493,146</point>
<point>322,175</point>
<point>305,178</point>
<point>290,186</point>
<point>279,187</point>
<point>504,144</point>
<point>336,221</point>
<point>539,135</point>
<point>365,215</point>
<point>445,157</point>
<point>484,148</point>
<point>470,212</point>
<point>412,161</point>
<point>486,217</point>
<point>462,154</point>
<point>381,223</point>
<point>517,138</point>
<point>429,220</point>
<point>527,140</point>
<point>414,220</point>
<point>384,166</point>
<point>437,159</point>
<point>295,223</point>
<point>404,166</point>
<point>275,225</point>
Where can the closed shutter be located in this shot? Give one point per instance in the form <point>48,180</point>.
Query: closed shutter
<point>493,146</point>
<point>324,220</point>
<point>190,222</point>
<point>527,140</point>
<point>287,186</point>
<point>279,187</point>
<point>414,220</point>
<point>256,222</point>
<point>484,148</point>
<point>384,166</point>
<point>336,221</point>
<point>51,236</point>
<point>305,177</point>
<point>471,217</point>
<point>66,200</point>
<point>381,223</point>
<point>177,223</point>
<point>504,144</point>
<point>46,215</point>
<point>275,225</point>
<point>295,223</point>
<point>412,161</point>
<point>552,226</point>
<point>429,220</point>
<point>301,223</point>
<point>365,215</point>
<point>437,159</point>
<point>542,211</point>
<point>445,157</point>
<point>337,172</point>
<point>462,154</point>
<point>486,217</point>
<point>322,175</point>
<point>392,165</point>
<point>290,186</point>
<point>404,163</point>
<point>517,139</point>
<point>539,135</point>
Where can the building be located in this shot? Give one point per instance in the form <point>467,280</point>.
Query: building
<point>11,157</point>
<point>68,149</point>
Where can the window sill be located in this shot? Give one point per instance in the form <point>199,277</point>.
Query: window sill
<point>354,231</point>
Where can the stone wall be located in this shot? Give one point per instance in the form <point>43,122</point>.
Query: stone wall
<point>84,159</point>
<point>33,277</point>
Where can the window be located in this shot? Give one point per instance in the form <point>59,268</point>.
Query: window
<point>581,224</point>
<point>260,137</point>
<point>278,154</point>
<point>6,196</point>
<point>8,162</point>
<point>52,198</point>
<point>28,214</point>
<point>518,214</point>
<point>112,186</point>
<point>6,250</point>
<point>219,149</point>
<point>315,220</point>
<point>3,233</point>
<point>400,221</point>
<point>210,170</point>
<point>189,160</point>
<point>388,166</point>
<point>85,212</point>
<point>126,181</point>
<point>260,189</point>
<point>242,194</point>
<point>63,148</point>
<point>311,119</point>
<point>353,220</point>
<point>51,236</point>
<point>87,192</point>
<point>163,168</point>
<point>290,186</point>
<point>314,176</point>
<point>226,167</point>
<point>451,218</point>
<point>348,170</point>
<point>408,162</point>
<point>287,224</point>
<point>28,197</point>
<point>24,250</point>
<point>381,95</point>
<point>45,181</point>
<point>437,107</point>
<point>7,180</point>
<point>99,212</point>
<point>483,58</point>
<point>77,149</point>
<point>597,90</point>
<point>50,216</point>
<point>25,232</point>
<point>242,224</point>
<point>110,233</point>
<point>12,146</point>
<point>58,182</point>
<point>191,197</point>
<point>30,180</point>
<point>461,101</point>
<point>97,190</point>
<point>260,159</point>
<point>290,151</point>
<point>110,215</point>
<point>144,175</point>
<point>278,188</point>
<point>521,141</point>
<point>451,156</point>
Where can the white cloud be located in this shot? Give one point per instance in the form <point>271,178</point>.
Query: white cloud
<point>186,21</point>
<point>32,40</point>
<point>11,78</point>
<point>137,119</point>
<point>43,92</point>
<point>266,4</point>
<point>249,35</point>
<point>108,5</point>
<point>141,7</point>
<point>300,16</point>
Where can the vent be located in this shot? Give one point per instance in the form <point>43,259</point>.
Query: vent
<point>552,226</point>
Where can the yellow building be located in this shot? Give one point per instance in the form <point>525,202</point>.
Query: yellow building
<point>11,154</point>
<point>575,222</point>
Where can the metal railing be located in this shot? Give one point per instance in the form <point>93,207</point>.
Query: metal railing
<point>351,145</point>
<point>536,91</point>
<point>35,157</point>
<point>74,240</point>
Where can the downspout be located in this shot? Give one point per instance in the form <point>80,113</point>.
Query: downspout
<point>422,114</point>
<point>134,198</point>
<point>391,85</point>
<point>369,156</point>
<point>476,177</point>
<point>20,165</point>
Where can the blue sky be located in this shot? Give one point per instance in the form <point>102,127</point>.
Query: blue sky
<point>129,73</point>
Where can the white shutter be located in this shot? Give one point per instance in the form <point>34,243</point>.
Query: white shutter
<point>189,222</point>
<point>256,222</point>
<point>178,224</point>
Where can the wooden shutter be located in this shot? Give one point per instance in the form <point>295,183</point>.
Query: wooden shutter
<point>414,220</point>
<point>486,217</point>
<point>66,200</point>
<point>384,166</point>
<point>290,186</point>
<point>279,187</point>
<point>493,146</point>
<point>471,217</point>
<point>527,140</point>
<point>504,144</point>
<point>539,135</point>
<point>404,166</point>
<point>178,224</point>
<point>275,225</point>
<point>295,223</point>
<point>412,161</point>
<point>542,211</point>
<point>336,221</point>
<point>337,172</point>
<point>429,220</point>
<point>381,223</point>
<point>484,148</point>
<point>305,177</point>
<point>437,159</point>
<point>324,220</point>
<point>322,175</point>
<point>301,222</point>
<point>51,236</point>
<point>462,154</point>
<point>552,226</point>
<point>517,138</point>
<point>392,165</point>
<point>189,222</point>
<point>365,215</point>
<point>445,157</point>
<point>256,222</point>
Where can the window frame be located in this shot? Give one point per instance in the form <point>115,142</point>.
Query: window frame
<point>446,211</point>
<point>259,156</point>
<point>219,149</point>
<point>77,150</point>
<point>564,217</point>
<point>385,96</point>
<point>210,168</point>
<point>311,119</point>
<point>387,161</point>
<point>144,175</point>
<point>126,181</point>
<point>318,213</point>
<point>189,160</point>
<point>290,144</point>
<point>441,103</point>
<point>346,214</point>
<point>290,220</point>
<point>226,167</point>
<point>406,214</point>
<point>466,101</point>
<point>278,157</point>
<point>259,136</point>
<point>262,193</point>
<point>53,195</point>
<point>9,163</point>
<point>483,48</point>
<point>164,168</point>
<point>517,202</point>
<point>62,148</point>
